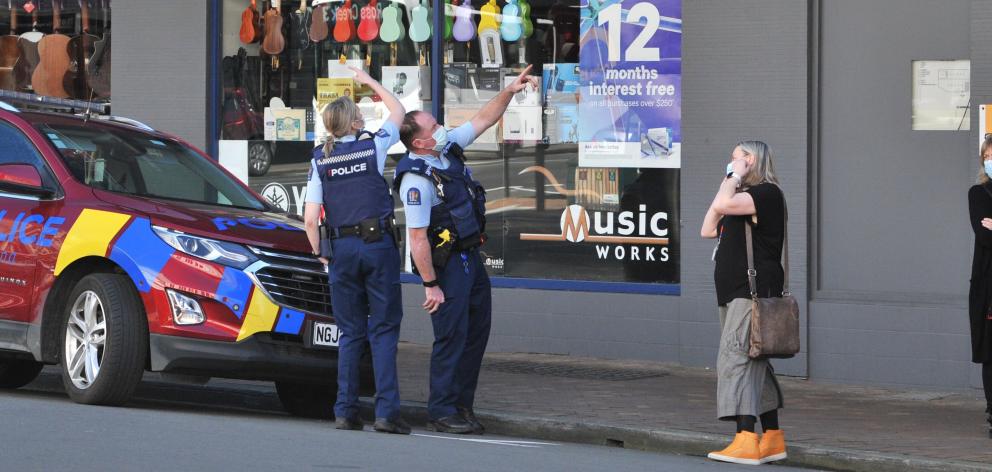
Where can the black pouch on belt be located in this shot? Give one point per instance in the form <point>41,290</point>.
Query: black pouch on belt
<point>371,230</point>
<point>326,250</point>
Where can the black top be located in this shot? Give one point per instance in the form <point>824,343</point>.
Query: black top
<point>980,290</point>
<point>768,235</point>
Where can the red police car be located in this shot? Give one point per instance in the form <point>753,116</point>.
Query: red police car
<point>124,249</point>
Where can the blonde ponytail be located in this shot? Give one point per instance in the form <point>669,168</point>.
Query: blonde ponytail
<point>338,117</point>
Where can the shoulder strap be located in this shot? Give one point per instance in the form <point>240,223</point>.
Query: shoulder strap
<point>751,273</point>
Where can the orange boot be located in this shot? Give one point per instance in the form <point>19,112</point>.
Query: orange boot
<point>744,450</point>
<point>772,446</point>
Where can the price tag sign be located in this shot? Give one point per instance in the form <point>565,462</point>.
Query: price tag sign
<point>28,7</point>
<point>631,72</point>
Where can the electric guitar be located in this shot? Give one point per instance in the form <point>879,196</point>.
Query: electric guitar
<point>392,23</point>
<point>420,25</point>
<point>510,28</point>
<point>301,31</point>
<point>487,18</point>
<point>371,17</point>
<point>525,17</point>
<point>344,23</point>
<point>464,27</point>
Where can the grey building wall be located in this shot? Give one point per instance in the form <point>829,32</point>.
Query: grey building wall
<point>159,61</point>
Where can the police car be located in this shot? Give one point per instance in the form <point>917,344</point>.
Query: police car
<point>124,249</point>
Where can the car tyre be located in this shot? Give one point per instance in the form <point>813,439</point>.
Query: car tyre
<point>308,400</point>
<point>104,340</point>
<point>259,158</point>
<point>16,373</point>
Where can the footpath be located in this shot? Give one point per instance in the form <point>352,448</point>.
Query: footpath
<point>663,408</point>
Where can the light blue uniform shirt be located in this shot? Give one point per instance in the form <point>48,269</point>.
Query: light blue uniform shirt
<point>387,136</point>
<point>416,189</point>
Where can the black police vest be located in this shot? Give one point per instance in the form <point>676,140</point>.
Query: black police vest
<point>463,200</point>
<point>354,190</point>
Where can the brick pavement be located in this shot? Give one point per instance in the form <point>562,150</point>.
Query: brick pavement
<point>942,426</point>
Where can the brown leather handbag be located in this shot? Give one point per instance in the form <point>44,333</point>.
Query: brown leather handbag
<point>774,320</point>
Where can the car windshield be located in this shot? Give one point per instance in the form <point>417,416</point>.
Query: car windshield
<point>134,163</point>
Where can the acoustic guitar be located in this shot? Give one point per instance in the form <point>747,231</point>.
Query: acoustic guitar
<point>318,23</point>
<point>98,68</point>
<point>487,18</point>
<point>344,23</point>
<point>525,18</point>
<point>273,43</point>
<point>511,28</point>
<point>9,52</point>
<point>391,30</point>
<point>368,27</point>
<point>55,60</point>
<point>27,54</point>
<point>464,28</point>
<point>80,49</point>
<point>420,25</point>
<point>251,30</point>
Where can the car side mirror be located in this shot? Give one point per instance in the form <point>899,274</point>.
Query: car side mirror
<point>22,179</point>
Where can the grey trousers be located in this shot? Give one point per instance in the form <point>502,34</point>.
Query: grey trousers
<point>744,386</point>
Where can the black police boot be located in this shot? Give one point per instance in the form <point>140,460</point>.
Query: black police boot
<point>454,424</point>
<point>349,424</point>
<point>469,416</point>
<point>394,426</point>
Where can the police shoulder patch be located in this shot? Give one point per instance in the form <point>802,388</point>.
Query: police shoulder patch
<point>413,196</point>
<point>382,133</point>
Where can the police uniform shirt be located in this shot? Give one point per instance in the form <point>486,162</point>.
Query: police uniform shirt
<point>416,189</point>
<point>388,135</point>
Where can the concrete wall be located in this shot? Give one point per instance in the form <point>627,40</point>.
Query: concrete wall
<point>160,58</point>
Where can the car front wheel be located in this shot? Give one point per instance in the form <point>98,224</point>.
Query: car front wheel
<point>105,340</point>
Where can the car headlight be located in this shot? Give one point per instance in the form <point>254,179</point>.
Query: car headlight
<point>229,254</point>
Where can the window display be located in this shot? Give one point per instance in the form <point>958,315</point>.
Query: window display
<point>56,48</point>
<point>555,209</point>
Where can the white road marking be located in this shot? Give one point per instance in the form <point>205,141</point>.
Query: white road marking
<point>497,442</point>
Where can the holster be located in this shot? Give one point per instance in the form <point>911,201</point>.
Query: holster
<point>326,250</point>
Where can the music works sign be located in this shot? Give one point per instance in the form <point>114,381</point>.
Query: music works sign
<point>622,236</point>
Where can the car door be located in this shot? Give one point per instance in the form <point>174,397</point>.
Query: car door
<point>26,231</point>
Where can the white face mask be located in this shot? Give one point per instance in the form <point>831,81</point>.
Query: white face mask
<point>440,138</point>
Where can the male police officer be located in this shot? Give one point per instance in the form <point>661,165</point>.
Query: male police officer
<point>445,213</point>
<point>347,179</point>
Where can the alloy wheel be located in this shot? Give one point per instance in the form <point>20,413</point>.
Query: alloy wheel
<point>85,340</point>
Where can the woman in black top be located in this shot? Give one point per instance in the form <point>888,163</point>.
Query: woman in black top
<point>980,292</point>
<point>746,388</point>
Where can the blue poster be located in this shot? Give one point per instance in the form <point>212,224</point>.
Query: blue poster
<point>630,64</point>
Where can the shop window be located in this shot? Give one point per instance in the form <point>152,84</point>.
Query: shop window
<point>56,48</point>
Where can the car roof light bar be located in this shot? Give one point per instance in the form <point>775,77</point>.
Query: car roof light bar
<point>127,121</point>
<point>51,103</point>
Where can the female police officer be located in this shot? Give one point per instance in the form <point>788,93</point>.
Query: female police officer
<point>346,178</point>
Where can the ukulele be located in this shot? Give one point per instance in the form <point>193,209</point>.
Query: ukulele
<point>525,17</point>
<point>9,52</point>
<point>368,27</point>
<point>488,15</point>
<point>98,67</point>
<point>318,23</point>
<point>464,28</point>
<point>251,30</point>
<point>27,54</point>
<point>391,30</point>
<point>344,23</point>
<point>420,25</point>
<point>510,28</point>
<point>448,19</point>
<point>54,63</point>
<point>80,49</point>
<point>274,42</point>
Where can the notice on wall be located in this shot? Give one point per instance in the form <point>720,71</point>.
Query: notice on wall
<point>942,95</point>
<point>631,81</point>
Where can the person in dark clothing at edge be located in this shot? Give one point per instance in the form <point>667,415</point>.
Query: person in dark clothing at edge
<point>445,214</point>
<point>747,388</point>
<point>346,178</point>
<point>980,290</point>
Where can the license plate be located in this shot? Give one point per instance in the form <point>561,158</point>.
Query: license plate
<point>325,334</point>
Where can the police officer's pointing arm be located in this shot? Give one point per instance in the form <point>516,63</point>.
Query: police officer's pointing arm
<point>396,109</point>
<point>492,111</point>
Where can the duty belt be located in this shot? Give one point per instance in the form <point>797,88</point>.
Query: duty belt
<point>356,230</point>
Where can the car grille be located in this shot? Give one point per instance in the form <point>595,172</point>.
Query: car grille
<point>295,281</point>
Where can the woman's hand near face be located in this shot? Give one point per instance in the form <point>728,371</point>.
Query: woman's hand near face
<point>987,223</point>
<point>740,167</point>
